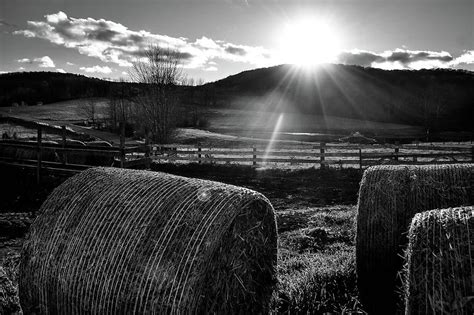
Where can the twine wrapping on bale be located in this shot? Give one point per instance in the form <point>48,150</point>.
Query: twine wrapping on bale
<point>439,269</point>
<point>389,197</point>
<point>115,241</point>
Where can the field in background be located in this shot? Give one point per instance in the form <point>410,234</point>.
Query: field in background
<point>305,127</point>
<point>233,123</point>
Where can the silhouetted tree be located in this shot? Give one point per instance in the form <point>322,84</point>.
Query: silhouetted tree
<point>160,71</point>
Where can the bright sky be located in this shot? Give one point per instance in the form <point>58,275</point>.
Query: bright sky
<point>102,38</point>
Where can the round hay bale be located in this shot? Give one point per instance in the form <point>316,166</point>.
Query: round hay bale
<point>97,158</point>
<point>126,241</point>
<point>75,143</point>
<point>440,262</point>
<point>389,197</point>
<point>99,143</point>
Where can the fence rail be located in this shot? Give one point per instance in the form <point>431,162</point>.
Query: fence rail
<point>319,155</point>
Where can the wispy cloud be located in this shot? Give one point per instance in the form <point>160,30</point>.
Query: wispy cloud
<point>211,68</point>
<point>6,24</point>
<point>96,69</point>
<point>404,59</point>
<point>467,58</point>
<point>42,62</point>
<point>25,60</point>
<point>112,42</point>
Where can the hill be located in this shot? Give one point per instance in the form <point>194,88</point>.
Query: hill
<point>437,100</point>
<point>31,88</point>
<point>440,99</point>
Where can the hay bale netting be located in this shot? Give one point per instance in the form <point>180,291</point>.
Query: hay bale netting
<point>389,197</point>
<point>439,266</point>
<point>126,241</point>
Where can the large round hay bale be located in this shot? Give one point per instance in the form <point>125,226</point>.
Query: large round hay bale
<point>440,262</point>
<point>389,197</point>
<point>121,241</point>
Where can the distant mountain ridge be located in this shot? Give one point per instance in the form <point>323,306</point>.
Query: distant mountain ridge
<point>439,99</point>
<point>31,88</point>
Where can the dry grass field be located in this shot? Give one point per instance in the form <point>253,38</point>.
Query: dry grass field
<point>222,122</point>
<point>315,217</point>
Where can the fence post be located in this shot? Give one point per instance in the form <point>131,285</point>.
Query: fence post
<point>122,145</point>
<point>397,149</point>
<point>254,158</point>
<point>360,158</point>
<point>199,153</point>
<point>63,133</point>
<point>322,150</point>
<point>147,150</point>
<point>39,155</point>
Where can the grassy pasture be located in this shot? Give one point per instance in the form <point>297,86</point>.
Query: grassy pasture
<point>235,122</point>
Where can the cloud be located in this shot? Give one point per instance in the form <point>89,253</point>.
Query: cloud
<point>42,62</point>
<point>69,63</point>
<point>235,50</point>
<point>211,68</point>
<point>112,42</point>
<point>25,60</point>
<point>397,59</point>
<point>96,69</point>
<point>6,24</point>
<point>465,59</point>
<point>60,70</point>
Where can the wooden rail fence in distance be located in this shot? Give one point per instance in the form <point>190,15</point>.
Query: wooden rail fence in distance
<point>318,155</point>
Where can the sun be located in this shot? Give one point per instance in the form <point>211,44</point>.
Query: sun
<point>309,41</point>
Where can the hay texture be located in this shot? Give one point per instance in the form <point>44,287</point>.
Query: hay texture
<point>115,241</point>
<point>440,262</point>
<point>8,295</point>
<point>389,197</point>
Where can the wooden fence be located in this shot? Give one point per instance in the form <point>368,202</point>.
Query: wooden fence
<point>62,156</point>
<point>59,156</point>
<point>320,155</point>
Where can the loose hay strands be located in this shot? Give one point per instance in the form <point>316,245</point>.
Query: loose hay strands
<point>439,266</point>
<point>389,197</point>
<point>114,241</point>
<point>9,303</point>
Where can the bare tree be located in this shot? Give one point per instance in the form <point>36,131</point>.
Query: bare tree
<point>89,108</point>
<point>120,106</point>
<point>159,72</point>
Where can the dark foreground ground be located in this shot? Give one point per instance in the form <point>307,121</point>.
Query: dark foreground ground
<point>315,214</point>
